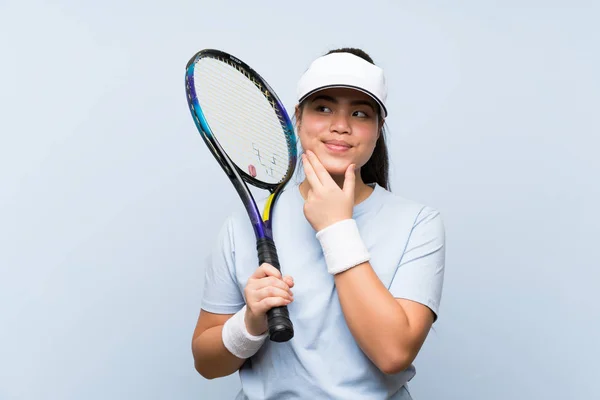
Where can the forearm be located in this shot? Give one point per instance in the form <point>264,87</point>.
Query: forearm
<point>378,323</point>
<point>211,357</point>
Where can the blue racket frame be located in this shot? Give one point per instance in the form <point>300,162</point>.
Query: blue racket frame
<point>280,326</point>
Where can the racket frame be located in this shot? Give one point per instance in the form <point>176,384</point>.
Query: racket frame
<point>261,223</point>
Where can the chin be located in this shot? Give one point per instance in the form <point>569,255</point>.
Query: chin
<point>334,165</point>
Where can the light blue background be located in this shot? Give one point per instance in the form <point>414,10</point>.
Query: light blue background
<point>109,200</point>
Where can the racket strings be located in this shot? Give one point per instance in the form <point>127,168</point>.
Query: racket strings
<point>243,132</point>
<point>238,86</point>
<point>245,97</point>
<point>243,120</point>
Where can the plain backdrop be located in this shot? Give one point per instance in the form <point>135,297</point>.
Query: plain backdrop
<point>109,200</point>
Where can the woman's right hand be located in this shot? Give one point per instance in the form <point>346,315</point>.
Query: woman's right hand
<point>264,290</point>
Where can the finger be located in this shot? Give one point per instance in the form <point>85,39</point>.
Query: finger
<point>270,302</point>
<point>270,281</point>
<point>264,270</point>
<point>289,281</point>
<point>271,291</point>
<point>324,176</point>
<point>311,176</point>
<point>349,181</point>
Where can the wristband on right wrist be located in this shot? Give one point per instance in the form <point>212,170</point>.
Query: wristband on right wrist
<point>238,340</point>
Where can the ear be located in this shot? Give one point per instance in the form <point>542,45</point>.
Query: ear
<point>380,130</point>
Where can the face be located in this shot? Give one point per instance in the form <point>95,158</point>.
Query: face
<point>341,126</point>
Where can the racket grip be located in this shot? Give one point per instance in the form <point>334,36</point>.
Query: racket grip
<point>281,328</point>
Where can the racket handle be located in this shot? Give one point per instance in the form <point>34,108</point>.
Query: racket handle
<point>281,328</point>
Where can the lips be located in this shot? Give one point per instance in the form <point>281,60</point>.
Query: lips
<point>337,143</point>
<point>337,146</point>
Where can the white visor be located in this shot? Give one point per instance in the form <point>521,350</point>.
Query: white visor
<point>344,70</point>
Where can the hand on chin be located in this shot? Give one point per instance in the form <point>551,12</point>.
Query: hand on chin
<point>335,165</point>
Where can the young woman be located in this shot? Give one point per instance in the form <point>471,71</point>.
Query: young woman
<point>363,267</point>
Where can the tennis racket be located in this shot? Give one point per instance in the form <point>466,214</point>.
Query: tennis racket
<point>250,134</point>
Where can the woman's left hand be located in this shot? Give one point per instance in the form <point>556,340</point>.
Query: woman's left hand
<point>326,203</point>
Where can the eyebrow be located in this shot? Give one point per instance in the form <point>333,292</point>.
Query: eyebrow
<point>334,100</point>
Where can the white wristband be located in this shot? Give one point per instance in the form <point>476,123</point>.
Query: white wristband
<point>342,246</point>
<point>238,340</point>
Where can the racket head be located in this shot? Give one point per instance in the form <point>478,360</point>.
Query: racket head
<point>242,120</point>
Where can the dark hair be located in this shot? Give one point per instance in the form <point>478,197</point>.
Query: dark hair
<point>376,170</point>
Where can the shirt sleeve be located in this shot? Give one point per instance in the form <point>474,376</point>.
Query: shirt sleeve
<point>420,273</point>
<point>222,294</point>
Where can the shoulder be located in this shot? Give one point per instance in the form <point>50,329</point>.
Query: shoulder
<point>399,210</point>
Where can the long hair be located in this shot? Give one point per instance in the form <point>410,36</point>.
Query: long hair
<point>376,169</point>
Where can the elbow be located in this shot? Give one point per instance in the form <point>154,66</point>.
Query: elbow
<point>210,371</point>
<point>394,363</point>
<point>208,377</point>
<point>201,365</point>
<point>206,373</point>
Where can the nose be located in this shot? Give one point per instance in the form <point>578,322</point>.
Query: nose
<point>340,123</point>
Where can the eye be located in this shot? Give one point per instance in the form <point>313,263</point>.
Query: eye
<point>361,114</point>
<point>321,108</point>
